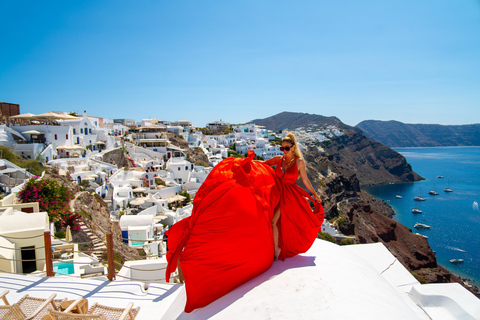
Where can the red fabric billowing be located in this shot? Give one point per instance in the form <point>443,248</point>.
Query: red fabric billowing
<point>228,238</point>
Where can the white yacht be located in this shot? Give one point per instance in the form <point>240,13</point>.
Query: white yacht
<point>418,198</point>
<point>415,210</point>
<point>456,261</point>
<point>419,225</point>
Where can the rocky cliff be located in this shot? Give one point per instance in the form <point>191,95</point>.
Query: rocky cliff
<point>369,219</point>
<point>398,134</point>
<point>372,162</point>
<point>194,155</point>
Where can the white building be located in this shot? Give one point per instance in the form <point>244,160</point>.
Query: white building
<point>19,230</point>
<point>217,125</point>
<point>84,130</point>
<point>180,169</point>
<point>136,230</point>
<point>54,134</point>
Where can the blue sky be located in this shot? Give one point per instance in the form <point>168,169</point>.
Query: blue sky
<point>411,61</point>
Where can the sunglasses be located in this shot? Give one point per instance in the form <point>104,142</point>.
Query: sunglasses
<point>286,148</point>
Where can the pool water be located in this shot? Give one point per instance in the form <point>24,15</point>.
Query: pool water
<point>63,267</point>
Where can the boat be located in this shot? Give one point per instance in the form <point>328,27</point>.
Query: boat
<point>421,235</point>
<point>415,210</point>
<point>447,189</point>
<point>440,177</point>
<point>417,198</point>
<point>433,192</point>
<point>456,261</point>
<point>419,225</point>
<point>398,196</point>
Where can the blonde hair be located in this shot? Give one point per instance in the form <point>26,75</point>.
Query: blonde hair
<point>290,138</point>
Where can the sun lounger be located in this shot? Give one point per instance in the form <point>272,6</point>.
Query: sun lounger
<point>96,311</point>
<point>28,307</point>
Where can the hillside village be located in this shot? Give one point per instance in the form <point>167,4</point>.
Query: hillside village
<point>147,173</point>
<point>130,179</point>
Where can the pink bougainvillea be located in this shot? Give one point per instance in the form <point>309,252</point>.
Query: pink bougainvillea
<point>53,198</point>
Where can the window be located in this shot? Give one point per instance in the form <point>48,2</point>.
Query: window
<point>81,130</point>
<point>66,136</point>
<point>74,131</point>
<point>186,168</point>
<point>90,131</point>
<point>55,136</point>
<point>178,168</point>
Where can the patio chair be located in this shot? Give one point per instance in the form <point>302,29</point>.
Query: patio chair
<point>96,311</point>
<point>28,307</point>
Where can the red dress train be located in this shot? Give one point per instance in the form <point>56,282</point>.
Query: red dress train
<point>228,239</point>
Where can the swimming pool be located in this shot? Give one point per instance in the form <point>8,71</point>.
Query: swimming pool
<point>63,267</point>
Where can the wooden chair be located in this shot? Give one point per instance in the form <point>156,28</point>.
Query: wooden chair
<point>27,307</point>
<point>96,311</point>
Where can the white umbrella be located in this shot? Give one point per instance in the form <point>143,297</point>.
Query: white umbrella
<point>23,116</point>
<point>137,202</point>
<point>68,234</point>
<point>51,115</point>
<point>32,132</point>
<point>139,189</point>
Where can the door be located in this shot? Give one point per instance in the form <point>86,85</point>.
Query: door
<point>28,253</point>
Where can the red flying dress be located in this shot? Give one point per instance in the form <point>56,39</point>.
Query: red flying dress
<point>228,239</point>
<point>298,226</point>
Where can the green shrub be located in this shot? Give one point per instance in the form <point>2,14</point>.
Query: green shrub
<point>60,234</point>
<point>346,242</point>
<point>232,153</point>
<point>33,166</point>
<point>201,163</point>
<point>326,236</point>
<point>341,222</point>
<point>186,195</point>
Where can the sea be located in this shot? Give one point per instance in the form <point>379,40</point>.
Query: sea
<point>454,217</point>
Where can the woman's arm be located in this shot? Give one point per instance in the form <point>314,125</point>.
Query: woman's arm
<point>305,180</point>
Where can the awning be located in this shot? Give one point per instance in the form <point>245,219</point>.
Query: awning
<point>33,132</point>
<point>23,116</point>
<point>137,202</point>
<point>175,198</point>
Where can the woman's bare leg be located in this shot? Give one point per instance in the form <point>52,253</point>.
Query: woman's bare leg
<point>276,216</point>
<point>180,273</point>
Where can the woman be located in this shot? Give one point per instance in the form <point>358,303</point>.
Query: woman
<point>229,240</point>
<point>292,207</point>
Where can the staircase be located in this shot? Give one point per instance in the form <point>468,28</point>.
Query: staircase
<point>99,246</point>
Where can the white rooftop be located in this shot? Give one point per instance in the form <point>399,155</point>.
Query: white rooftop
<point>327,282</point>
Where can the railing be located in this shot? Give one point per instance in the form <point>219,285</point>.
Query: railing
<point>111,274</point>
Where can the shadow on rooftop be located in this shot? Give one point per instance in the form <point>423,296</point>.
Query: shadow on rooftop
<point>277,268</point>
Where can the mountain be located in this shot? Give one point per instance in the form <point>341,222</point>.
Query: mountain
<point>398,134</point>
<point>372,162</point>
<point>293,120</point>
